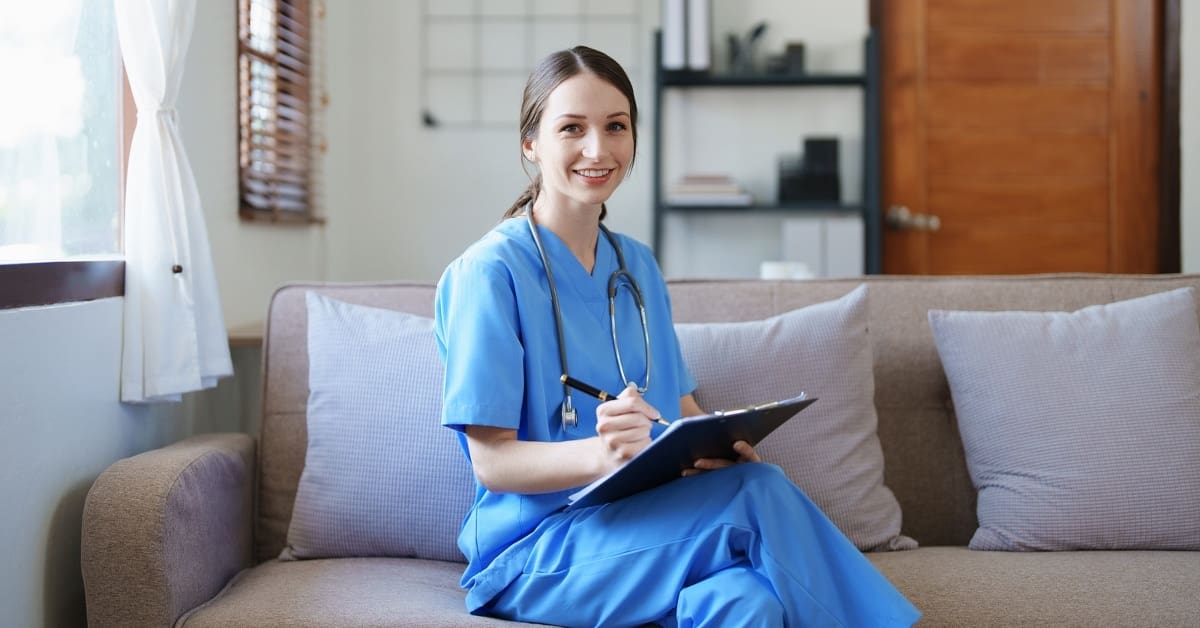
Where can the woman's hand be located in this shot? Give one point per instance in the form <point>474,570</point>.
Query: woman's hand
<point>623,425</point>
<point>744,451</point>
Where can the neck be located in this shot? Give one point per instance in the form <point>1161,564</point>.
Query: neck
<point>579,230</point>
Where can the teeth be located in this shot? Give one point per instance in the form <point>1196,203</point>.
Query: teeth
<point>594,173</point>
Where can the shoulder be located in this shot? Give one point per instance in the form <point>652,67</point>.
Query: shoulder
<point>501,251</point>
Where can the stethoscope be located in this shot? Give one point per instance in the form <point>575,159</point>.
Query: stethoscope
<point>620,277</point>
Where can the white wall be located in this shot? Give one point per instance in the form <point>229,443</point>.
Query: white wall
<point>1189,175</point>
<point>251,259</point>
<point>405,199</point>
<point>62,425</point>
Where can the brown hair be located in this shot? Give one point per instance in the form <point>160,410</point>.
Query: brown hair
<point>549,73</point>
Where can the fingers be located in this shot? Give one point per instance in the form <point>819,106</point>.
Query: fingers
<point>745,451</point>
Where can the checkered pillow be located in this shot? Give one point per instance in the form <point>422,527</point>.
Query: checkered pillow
<point>382,477</point>
<point>1081,429</point>
<point>830,450</point>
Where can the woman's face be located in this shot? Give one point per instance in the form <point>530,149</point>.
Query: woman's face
<point>583,144</point>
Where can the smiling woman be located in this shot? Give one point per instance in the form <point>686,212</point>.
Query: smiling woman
<point>60,153</point>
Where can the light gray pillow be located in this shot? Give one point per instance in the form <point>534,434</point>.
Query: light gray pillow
<point>382,477</point>
<point>1081,429</point>
<point>831,449</point>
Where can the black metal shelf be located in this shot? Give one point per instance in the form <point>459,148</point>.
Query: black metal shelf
<point>813,207</point>
<point>867,81</point>
<point>684,78</point>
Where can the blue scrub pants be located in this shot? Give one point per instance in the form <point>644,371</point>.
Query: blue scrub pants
<point>740,546</point>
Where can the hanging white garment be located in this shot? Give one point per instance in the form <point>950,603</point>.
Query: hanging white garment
<point>175,338</point>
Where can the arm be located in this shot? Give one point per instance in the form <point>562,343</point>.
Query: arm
<point>505,464</point>
<point>165,530</point>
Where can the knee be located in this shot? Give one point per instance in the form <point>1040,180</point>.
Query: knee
<point>762,474</point>
<point>731,597</point>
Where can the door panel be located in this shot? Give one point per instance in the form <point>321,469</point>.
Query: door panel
<point>1068,16</point>
<point>975,56</point>
<point>1028,127</point>
<point>963,107</point>
<point>1000,154</point>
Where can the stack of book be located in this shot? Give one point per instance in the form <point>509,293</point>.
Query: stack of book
<point>708,189</point>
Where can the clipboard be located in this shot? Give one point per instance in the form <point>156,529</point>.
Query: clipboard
<point>689,438</point>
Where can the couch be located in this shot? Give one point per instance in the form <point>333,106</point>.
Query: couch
<point>190,534</point>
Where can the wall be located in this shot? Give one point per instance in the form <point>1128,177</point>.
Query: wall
<point>251,259</point>
<point>62,425</point>
<point>405,199</point>
<point>1189,104</point>
<point>60,366</point>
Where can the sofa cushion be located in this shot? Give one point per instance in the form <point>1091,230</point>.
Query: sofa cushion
<point>350,592</point>
<point>831,450</point>
<point>955,586</point>
<point>1082,429</point>
<point>381,476</point>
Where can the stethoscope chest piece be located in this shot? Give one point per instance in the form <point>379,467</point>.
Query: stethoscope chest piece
<point>569,417</point>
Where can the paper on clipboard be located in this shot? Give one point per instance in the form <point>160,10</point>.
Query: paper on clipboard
<point>689,438</point>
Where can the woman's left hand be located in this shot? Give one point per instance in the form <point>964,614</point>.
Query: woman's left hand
<point>744,451</point>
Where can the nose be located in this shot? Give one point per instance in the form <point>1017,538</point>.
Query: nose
<point>595,145</point>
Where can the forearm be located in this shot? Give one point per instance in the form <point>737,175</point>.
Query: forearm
<point>505,464</point>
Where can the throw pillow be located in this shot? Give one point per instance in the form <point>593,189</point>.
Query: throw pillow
<point>1082,429</point>
<point>831,450</point>
<point>381,477</point>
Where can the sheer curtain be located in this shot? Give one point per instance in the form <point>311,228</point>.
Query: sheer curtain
<point>175,339</point>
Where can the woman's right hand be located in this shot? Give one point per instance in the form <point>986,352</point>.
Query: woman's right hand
<point>623,425</point>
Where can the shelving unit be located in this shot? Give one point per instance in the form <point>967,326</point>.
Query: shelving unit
<point>867,82</point>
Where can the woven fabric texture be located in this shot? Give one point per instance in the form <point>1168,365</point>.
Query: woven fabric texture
<point>1081,429</point>
<point>831,449</point>
<point>381,477</point>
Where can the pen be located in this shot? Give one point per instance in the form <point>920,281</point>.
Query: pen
<point>597,393</point>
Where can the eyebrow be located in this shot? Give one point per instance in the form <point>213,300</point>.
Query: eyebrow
<point>579,116</point>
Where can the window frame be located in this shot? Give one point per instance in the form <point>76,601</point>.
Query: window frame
<point>34,284</point>
<point>274,214</point>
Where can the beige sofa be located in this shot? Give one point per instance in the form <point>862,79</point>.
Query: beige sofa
<point>189,534</point>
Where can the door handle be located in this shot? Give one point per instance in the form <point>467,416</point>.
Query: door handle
<point>901,218</point>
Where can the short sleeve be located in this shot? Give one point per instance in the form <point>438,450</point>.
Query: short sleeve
<point>478,336</point>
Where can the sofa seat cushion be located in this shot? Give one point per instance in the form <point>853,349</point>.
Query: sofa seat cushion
<point>955,586</point>
<point>351,592</point>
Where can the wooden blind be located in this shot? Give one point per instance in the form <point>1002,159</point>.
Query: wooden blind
<point>274,110</point>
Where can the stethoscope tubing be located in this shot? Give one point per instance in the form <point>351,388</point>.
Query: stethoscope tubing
<point>569,416</point>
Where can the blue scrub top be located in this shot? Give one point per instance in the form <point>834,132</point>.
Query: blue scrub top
<point>496,334</point>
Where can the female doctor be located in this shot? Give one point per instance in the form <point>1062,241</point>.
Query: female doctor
<point>731,544</point>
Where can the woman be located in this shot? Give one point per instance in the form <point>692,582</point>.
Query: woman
<point>734,543</point>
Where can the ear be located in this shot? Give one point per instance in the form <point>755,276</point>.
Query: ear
<point>529,149</point>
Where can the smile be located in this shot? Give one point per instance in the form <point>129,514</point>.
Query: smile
<point>595,174</point>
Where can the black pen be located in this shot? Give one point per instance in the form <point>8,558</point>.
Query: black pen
<point>597,393</point>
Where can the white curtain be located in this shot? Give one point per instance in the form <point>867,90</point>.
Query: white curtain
<point>175,339</point>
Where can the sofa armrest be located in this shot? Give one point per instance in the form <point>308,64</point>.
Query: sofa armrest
<point>165,530</point>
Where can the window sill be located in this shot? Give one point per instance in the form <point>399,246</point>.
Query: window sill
<point>32,284</point>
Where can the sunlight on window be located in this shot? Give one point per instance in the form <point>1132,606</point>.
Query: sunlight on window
<point>59,130</point>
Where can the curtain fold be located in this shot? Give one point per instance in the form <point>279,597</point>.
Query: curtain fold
<point>175,339</point>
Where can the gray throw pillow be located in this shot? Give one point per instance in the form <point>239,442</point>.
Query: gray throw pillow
<point>382,477</point>
<point>831,450</point>
<point>1081,429</point>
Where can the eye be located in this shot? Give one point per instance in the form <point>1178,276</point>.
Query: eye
<point>616,127</point>
<point>570,128</point>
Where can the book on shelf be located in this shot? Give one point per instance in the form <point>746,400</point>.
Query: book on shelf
<point>708,189</point>
<point>742,199</point>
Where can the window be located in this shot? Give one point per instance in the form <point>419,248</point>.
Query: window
<point>274,113</point>
<point>61,157</point>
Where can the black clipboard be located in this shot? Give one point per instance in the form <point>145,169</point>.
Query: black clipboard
<point>704,436</point>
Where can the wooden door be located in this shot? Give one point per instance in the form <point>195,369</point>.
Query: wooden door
<point>1020,136</point>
